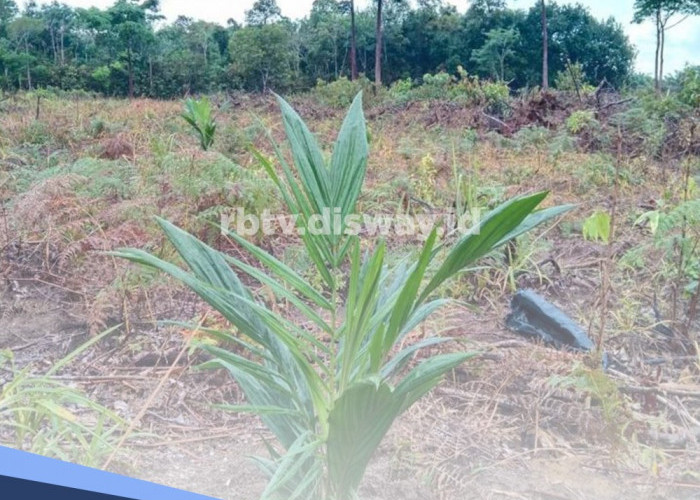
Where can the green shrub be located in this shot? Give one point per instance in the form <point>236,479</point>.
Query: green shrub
<point>496,96</point>
<point>341,92</point>
<point>97,127</point>
<point>218,177</point>
<point>107,178</point>
<point>37,132</point>
<point>676,230</point>
<point>233,140</point>
<point>572,78</point>
<point>661,107</point>
<point>94,178</point>
<point>640,126</point>
<point>400,90</point>
<point>336,94</point>
<point>638,81</point>
<point>465,89</point>
<point>532,138</point>
<point>331,394</point>
<point>436,86</point>
<point>689,86</point>
<point>432,86</point>
<point>582,121</point>
<point>598,170</point>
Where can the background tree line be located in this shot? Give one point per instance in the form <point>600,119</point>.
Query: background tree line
<point>127,49</point>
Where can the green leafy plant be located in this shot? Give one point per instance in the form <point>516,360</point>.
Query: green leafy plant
<point>573,78</point>
<point>424,178</point>
<point>42,415</point>
<point>676,229</point>
<point>495,96</point>
<point>582,121</point>
<point>689,86</point>
<point>198,113</point>
<point>341,92</point>
<point>400,90</point>
<point>600,387</point>
<point>597,227</point>
<point>330,393</point>
<point>436,86</point>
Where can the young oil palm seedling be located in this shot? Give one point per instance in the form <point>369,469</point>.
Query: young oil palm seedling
<point>198,114</point>
<point>331,392</point>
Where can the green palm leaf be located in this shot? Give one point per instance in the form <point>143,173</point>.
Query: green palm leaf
<point>307,158</point>
<point>500,225</point>
<point>358,422</point>
<point>349,161</point>
<point>427,375</point>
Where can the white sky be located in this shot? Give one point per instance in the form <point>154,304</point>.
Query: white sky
<point>682,42</point>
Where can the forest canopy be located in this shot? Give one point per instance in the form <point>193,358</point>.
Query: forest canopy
<point>128,48</point>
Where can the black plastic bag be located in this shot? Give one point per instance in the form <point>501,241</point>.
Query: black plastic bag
<point>533,316</point>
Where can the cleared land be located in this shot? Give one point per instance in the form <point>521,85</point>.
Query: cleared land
<point>520,421</point>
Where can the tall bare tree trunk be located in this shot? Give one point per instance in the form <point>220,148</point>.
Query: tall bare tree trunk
<point>131,74</point>
<point>29,71</point>
<point>659,30</point>
<point>378,47</point>
<point>335,55</point>
<point>545,49</point>
<point>353,43</point>
<point>54,45</point>
<point>63,50</point>
<point>661,56</point>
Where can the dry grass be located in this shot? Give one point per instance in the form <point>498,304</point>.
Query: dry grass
<point>499,418</point>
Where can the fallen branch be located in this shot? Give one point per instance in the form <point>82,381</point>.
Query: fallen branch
<point>663,361</point>
<point>661,389</point>
<point>617,103</point>
<point>498,122</point>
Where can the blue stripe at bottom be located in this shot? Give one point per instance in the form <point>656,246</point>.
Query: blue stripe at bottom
<point>13,488</point>
<point>32,472</point>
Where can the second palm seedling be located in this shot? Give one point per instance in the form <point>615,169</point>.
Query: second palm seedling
<point>198,113</point>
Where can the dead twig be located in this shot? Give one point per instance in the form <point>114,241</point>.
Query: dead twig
<point>660,389</point>
<point>153,395</point>
<point>99,378</point>
<point>198,439</point>
<point>503,125</point>
<point>618,103</point>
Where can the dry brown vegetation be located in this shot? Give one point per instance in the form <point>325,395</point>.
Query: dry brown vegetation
<point>521,421</point>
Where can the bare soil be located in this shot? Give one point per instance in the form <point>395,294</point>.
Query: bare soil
<point>506,425</point>
<point>497,429</point>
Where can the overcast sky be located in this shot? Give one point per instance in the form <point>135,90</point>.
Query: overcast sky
<point>682,42</point>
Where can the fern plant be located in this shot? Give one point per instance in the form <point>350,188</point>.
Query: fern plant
<point>676,229</point>
<point>330,393</point>
<point>198,113</point>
